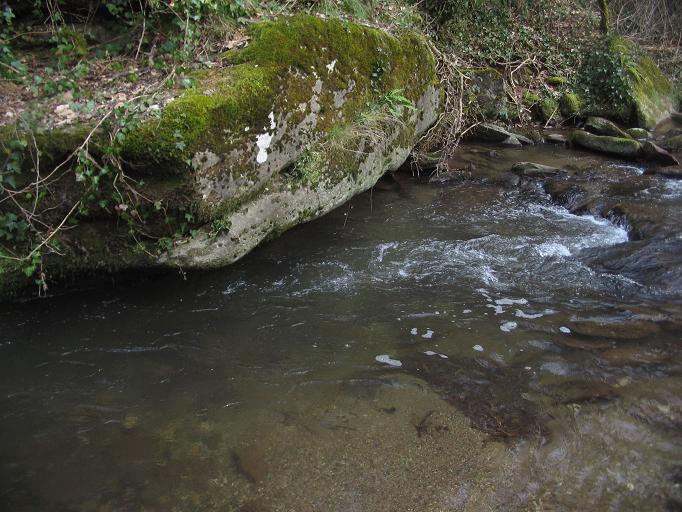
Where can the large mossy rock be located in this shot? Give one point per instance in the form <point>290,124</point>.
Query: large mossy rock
<point>623,147</point>
<point>601,126</point>
<point>623,83</point>
<point>309,114</point>
<point>300,78</point>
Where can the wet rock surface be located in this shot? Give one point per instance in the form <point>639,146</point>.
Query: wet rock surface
<point>533,170</point>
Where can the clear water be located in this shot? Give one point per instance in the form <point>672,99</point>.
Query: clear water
<point>257,387</point>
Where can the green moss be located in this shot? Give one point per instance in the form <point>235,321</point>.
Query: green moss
<point>547,109</point>
<point>530,98</point>
<point>55,145</point>
<point>570,105</point>
<point>290,52</point>
<point>225,101</point>
<point>652,93</point>
<point>556,81</point>
<point>618,146</point>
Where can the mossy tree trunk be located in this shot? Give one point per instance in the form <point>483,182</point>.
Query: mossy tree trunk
<point>604,12</point>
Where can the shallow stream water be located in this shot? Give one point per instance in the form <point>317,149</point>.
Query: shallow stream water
<point>424,347</point>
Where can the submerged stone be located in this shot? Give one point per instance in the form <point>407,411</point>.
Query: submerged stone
<point>556,138</point>
<point>580,391</point>
<point>633,355</point>
<point>533,170</point>
<point>251,463</point>
<point>491,396</point>
<point>615,328</point>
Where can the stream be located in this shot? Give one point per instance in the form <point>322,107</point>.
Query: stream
<point>464,345</point>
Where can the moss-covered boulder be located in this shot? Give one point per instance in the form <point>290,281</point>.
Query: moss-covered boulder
<point>298,79</point>
<point>310,113</point>
<point>530,99</point>
<point>623,147</point>
<point>622,82</point>
<point>571,105</point>
<point>601,126</point>
<point>535,170</point>
<point>547,110</point>
<point>638,133</point>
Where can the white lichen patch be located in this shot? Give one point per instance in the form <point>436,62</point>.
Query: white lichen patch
<point>264,139</point>
<point>263,142</point>
<point>330,66</point>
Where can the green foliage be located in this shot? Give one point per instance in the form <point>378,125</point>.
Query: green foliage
<point>10,66</point>
<point>70,45</point>
<point>12,228</point>
<point>220,225</point>
<point>605,82</point>
<point>500,32</point>
<point>309,168</point>
<point>14,149</point>
<point>394,102</point>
